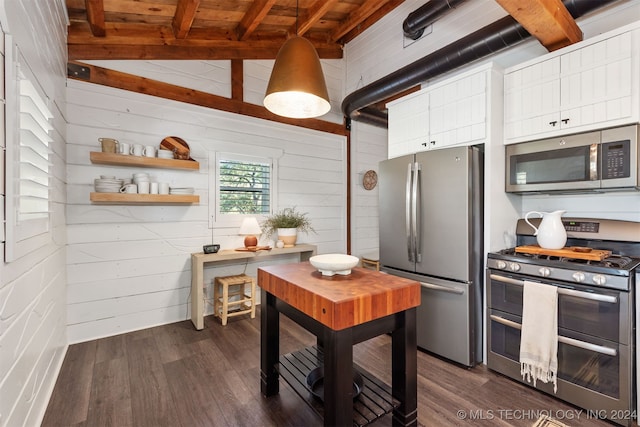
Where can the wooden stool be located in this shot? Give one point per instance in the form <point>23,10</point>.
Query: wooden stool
<point>227,287</point>
<point>371,260</point>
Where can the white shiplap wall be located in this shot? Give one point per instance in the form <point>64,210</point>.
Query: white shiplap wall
<point>129,266</point>
<point>32,288</point>
<point>370,148</point>
<point>385,40</point>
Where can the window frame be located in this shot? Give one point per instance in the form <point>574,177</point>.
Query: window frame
<point>220,220</point>
<point>22,235</point>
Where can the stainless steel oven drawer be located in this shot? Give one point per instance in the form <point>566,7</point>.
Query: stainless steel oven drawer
<point>589,310</point>
<point>593,374</point>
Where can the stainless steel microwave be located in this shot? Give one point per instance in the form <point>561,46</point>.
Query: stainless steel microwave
<point>604,160</point>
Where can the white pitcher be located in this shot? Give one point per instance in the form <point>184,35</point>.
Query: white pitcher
<point>551,233</point>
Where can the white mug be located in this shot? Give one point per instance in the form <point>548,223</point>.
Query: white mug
<point>143,187</point>
<point>123,148</point>
<point>163,188</point>
<point>153,188</point>
<point>129,188</point>
<point>136,149</point>
<point>149,151</point>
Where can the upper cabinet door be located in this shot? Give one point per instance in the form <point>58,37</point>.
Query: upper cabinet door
<point>532,99</point>
<point>596,83</point>
<point>588,87</point>
<point>458,111</point>
<point>408,124</point>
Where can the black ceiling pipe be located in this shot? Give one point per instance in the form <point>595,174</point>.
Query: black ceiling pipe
<point>494,37</point>
<point>415,23</point>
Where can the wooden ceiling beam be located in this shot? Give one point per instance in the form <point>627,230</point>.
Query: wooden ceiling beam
<point>130,82</point>
<point>239,50</point>
<point>368,8</point>
<point>95,17</point>
<point>184,16</point>
<point>549,21</point>
<point>313,15</point>
<point>372,19</point>
<point>254,16</point>
<point>125,41</point>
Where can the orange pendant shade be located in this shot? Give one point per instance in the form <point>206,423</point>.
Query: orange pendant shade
<point>297,88</point>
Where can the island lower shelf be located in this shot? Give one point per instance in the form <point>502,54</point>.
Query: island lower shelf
<point>373,403</point>
<point>124,198</point>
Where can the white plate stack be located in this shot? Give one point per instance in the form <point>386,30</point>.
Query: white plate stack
<point>181,190</point>
<point>107,184</point>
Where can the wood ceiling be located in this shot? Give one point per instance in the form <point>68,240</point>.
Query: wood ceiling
<point>246,29</point>
<point>214,29</point>
<point>256,29</point>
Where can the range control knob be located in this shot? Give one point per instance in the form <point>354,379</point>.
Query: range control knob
<point>578,277</point>
<point>514,266</point>
<point>599,279</point>
<point>501,265</point>
<point>544,271</point>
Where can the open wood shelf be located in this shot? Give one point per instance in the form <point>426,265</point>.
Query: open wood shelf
<point>373,403</point>
<point>119,198</point>
<point>113,159</point>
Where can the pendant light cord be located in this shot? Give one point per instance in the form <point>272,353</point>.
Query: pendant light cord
<point>297,10</point>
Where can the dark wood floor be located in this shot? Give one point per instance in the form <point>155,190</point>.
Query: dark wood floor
<point>173,375</point>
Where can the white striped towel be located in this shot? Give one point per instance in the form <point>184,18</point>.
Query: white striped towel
<point>539,336</point>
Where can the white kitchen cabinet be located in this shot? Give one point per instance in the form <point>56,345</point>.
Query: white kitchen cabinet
<point>451,112</point>
<point>408,124</point>
<point>589,85</point>
<point>458,110</point>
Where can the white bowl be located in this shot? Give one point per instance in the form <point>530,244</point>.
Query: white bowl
<point>330,264</point>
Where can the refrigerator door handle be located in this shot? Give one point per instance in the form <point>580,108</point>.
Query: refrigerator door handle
<point>415,223</point>
<point>441,288</point>
<point>408,214</point>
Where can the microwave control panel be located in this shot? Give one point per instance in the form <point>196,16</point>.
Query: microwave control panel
<point>616,159</point>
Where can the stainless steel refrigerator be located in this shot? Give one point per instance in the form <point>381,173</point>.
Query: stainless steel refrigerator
<point>431,230</point>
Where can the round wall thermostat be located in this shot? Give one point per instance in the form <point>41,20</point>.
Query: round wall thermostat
<point>370,180</point>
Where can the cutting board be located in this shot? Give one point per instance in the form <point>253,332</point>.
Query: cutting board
<point>566,252</point>
<point>254,249</point>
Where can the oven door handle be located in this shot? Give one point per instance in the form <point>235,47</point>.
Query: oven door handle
<point>441,288</point>
<point>565,340</point>
<point>563,291</point>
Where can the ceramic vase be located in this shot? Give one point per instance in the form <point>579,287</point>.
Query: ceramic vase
<point>288,236</point>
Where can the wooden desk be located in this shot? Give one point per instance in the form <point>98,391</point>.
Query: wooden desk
<point>199,259</point>
<point>341,311</point>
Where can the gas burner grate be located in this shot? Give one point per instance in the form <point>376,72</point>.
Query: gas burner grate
<point>617,261</point>
<point>612,261</point>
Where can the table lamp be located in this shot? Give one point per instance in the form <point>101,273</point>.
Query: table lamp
<point>251,229</point>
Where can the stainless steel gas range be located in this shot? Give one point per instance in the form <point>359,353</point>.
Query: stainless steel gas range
<point>596,345</point>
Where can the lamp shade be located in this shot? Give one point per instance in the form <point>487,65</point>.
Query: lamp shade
<point>297,88</point>
<point>251,229</point>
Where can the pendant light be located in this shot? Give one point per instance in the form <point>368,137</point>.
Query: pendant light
<point>297,88</point>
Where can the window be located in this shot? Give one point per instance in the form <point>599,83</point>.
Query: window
<point>29,133</point>
<point>244,186</point>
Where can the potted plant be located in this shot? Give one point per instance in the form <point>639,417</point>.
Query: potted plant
<point>286,224</point>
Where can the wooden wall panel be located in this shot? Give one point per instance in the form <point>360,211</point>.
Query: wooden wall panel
<point>32,288</point>
<point>117,253</point>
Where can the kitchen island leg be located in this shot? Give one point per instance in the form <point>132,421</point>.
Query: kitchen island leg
<point>269,344</point>
<point>404,360</point>
<point>338,377</point>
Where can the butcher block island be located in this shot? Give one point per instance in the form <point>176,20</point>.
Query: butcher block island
<point>341,310</point>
